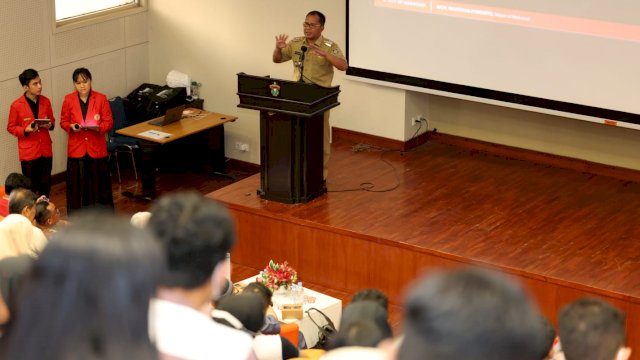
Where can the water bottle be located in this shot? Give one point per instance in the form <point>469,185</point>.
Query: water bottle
<point>195,90</point>
<point>299,294</point>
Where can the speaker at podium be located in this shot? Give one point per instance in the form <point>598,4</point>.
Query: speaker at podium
<point>291,134</point>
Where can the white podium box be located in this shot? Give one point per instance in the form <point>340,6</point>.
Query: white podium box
<point>330,306</point>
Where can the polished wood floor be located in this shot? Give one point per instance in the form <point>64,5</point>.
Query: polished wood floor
<point>390,214</point>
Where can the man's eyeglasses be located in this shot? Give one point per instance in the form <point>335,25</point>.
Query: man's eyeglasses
<point>309,25</point>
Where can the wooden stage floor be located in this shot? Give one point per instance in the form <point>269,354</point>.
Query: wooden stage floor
<point>564,233</point>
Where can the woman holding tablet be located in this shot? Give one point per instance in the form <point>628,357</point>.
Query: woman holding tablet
<point>30,120</point>
<point>86,117</point>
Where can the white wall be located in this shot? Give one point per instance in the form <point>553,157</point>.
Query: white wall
<point>115,51</point>
<point>214,40</point>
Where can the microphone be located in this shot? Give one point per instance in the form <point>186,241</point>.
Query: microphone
<point>304,50</point>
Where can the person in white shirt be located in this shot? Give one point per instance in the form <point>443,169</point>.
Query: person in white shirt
<point>196,234</point>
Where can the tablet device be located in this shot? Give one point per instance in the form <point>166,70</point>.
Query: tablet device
<point>40,122</point>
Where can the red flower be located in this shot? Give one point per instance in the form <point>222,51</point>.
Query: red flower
<point>275,275</point>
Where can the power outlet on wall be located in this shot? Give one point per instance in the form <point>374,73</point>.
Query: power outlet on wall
<point>416,120</point>
<point>242,146</point>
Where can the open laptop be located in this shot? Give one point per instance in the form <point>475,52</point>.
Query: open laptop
<point>172,115</point>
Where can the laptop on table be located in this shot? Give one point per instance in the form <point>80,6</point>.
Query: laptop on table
<point>172,115</point>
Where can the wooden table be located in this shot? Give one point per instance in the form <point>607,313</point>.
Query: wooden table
<point>195,121</point>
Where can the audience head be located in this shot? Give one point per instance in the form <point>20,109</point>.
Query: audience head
<point>23,202</point>
<point>361,333</point>
<point>248,308</point>
<point>87,296</point>
<point>363,323</point>
<point>469,314</point>
<point>196,234</point>
<point>547,341</point>
<point>20,237</point>
<point>16,181</point>
<point>140,219</point>
<point>12,271</point>
<point>592,329</point>
<point>47,214</point>
<point>372,294</point>
<point>259,289</point>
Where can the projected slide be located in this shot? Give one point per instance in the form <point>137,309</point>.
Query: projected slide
<point>572,56</point>
<point>519,17</point>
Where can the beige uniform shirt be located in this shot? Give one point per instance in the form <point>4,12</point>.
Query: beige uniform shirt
<point>317,69</point>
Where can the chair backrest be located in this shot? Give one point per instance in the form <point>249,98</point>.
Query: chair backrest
<point>290,331</point>
<point>119,116</point>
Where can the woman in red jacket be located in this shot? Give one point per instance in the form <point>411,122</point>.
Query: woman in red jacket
<point>34,142</point>
<point>86,116</point>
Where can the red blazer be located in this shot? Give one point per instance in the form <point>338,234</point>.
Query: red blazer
<point>37,143</point>
<point>86,141</point>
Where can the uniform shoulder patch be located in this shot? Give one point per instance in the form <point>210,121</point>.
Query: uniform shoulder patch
<point>328,42</point>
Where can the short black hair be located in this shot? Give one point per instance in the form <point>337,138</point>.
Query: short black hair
<point>20,199</point>
<point>372,294</point>
<point>42,212</point>
<point>260,289</point>
<point>16,181</point>
<point>81,72</point>
<point>547,339</point>
<point>364,333</point>
<point>469,314</point>
<point>196,234</point>
<point>26,76</point>
<point>248,308</point>
<point>320,16</point>
<point>591,329</point>
<point>365,314</point>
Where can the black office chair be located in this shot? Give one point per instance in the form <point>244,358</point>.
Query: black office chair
<point>117,143</point>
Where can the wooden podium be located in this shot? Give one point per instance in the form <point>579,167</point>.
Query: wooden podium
<point>291,135</point>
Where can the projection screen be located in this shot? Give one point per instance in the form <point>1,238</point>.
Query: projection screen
<point>578,57</point>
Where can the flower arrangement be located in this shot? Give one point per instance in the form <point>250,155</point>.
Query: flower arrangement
<point>276,275</point>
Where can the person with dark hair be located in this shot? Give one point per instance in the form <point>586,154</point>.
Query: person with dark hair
<point>592,329</point>
<point>271,323</point>
<point>246,312</point>
<point>314,58</point>
<point>87,296</point>
<point>28,117</point>
<point>372,294</point>
<point>48,217</point>
<point>363,323</point>
<point>13,181</point>
<point>469,314</point>
<point>548,340</point>
<point>86,117</point>
<point>12,272</point>
<point>196,233</point>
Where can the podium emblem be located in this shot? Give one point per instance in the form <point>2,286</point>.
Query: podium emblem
<point>275,89</point>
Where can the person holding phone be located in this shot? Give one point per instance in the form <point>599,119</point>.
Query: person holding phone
<point>86,117</point>
<point>30,120</point>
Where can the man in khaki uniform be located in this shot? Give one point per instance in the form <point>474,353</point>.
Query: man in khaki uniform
<point>321,56</point>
